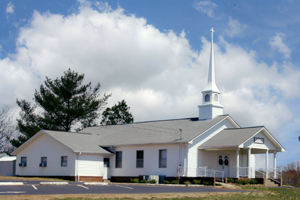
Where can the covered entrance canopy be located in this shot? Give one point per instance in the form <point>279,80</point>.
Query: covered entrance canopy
<point>236,147</point>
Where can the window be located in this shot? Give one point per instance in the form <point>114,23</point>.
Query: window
<point>64,161</point>
<point>118,159</point>
<point>139,159</point>
<point>43,162</point>
<point>259,140</point>
<point>207,98</point>
<point>216,98</point>
<point>106,162</point>
<point>23,162</point>
<point>163,158</point>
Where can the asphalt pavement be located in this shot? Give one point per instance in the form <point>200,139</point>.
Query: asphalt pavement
<point>35,188</point>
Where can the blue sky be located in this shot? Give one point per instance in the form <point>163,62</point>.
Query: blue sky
<point>155,54</point>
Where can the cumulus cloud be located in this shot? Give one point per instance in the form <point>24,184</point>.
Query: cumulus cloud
<point>206,7</point>
<point>277,43</point>
<point>158,73</point>
<point>235,28</point>
<point>10,8</point>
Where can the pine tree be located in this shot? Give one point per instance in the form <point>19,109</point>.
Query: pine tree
<point>64,102</point>
<point>118,114</point>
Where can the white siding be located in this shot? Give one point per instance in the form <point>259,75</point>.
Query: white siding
<point>151,160</point>
<point>44,146</point>
<point>91,165</point>
<point>192,155</point>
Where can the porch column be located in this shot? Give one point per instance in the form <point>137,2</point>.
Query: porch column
<point>274,165</point>
<point>267,163</point>
<point>238,163</point>
<point>249,161</point>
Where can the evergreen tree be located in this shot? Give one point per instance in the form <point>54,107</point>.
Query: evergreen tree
<point>118,114</point>
<point>64,102</point>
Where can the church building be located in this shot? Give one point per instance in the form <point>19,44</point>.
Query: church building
<point>210,145</point>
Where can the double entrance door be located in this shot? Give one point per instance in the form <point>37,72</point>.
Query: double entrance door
<point>223,164</point>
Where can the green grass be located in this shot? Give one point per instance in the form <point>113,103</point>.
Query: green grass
<point>257,192</point>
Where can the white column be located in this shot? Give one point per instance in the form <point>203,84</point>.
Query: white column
<point>249,161</point>
<point>238,163</point>
<point>274,165</point>
<point>267,163</point>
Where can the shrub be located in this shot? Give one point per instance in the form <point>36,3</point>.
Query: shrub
<point>207,183</point>
<point>174,182</point>
<point>195,181</point>
<point>166,182</point>
<point>144,181</point>
<point>187,183</point>
<point>230,180</point>
<point>253,181</point>
<point>218,184</point>
<point>134,180</point>
<point>153,181</point>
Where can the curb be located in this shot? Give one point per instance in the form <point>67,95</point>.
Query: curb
<point>161,185</point>
<point>95,183</point>
<point>54,183</point>
<point>11,183</point>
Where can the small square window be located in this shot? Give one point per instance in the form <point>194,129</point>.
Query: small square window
<point>106,162</point>
<point>43,162</point>
<point>23,162</point>
<point>64,161</point>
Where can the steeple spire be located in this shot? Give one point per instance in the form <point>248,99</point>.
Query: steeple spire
<point>211,82</point>
<point>210,106</point>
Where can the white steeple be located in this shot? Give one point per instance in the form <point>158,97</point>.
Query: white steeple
<point>210,106</point>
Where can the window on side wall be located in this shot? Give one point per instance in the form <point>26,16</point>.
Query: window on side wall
<point>64,161</point>
<point>23,162</point>
<point>163,158</point>
<point>118,159</point>
<point>43,162</point>
<point>139,159</point>
<point>106,162</point>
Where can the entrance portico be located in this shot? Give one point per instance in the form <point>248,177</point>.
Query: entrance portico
<point>241,149</point>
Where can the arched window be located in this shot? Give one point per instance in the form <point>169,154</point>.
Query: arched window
<point>216,98</point>
<point>207,98</point>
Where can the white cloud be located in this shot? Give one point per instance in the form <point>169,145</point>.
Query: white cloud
<point>10,8</point>
<point>235,28</point>
<point>206,7</point>
<point>276,43</point>
<point>158,73</point>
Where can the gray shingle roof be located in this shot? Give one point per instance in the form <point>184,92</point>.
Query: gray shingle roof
<point>231,137</point>
<point>166,131</point>
<point>156,132</point>
<point>78,142</point>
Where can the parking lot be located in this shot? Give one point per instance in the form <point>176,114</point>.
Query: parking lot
<point>35,188</point>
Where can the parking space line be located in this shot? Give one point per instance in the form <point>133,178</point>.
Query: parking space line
<point>83,187</point>
<point>34,187</point>
<point>14,192</point>
<point>124,187</point>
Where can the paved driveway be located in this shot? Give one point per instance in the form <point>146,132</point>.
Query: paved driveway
<point>33,188</point>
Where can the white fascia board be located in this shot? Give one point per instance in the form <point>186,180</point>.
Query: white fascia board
<point>24,145</point>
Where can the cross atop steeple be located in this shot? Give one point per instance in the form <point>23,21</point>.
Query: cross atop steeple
<point>212,33</point>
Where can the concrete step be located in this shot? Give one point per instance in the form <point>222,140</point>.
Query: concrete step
<point>270,183</point>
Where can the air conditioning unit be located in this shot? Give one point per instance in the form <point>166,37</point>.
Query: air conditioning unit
<point>43,164</point>
<point>22,164</point>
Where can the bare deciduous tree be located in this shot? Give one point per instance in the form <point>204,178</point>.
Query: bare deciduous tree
<point>7,130</point>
